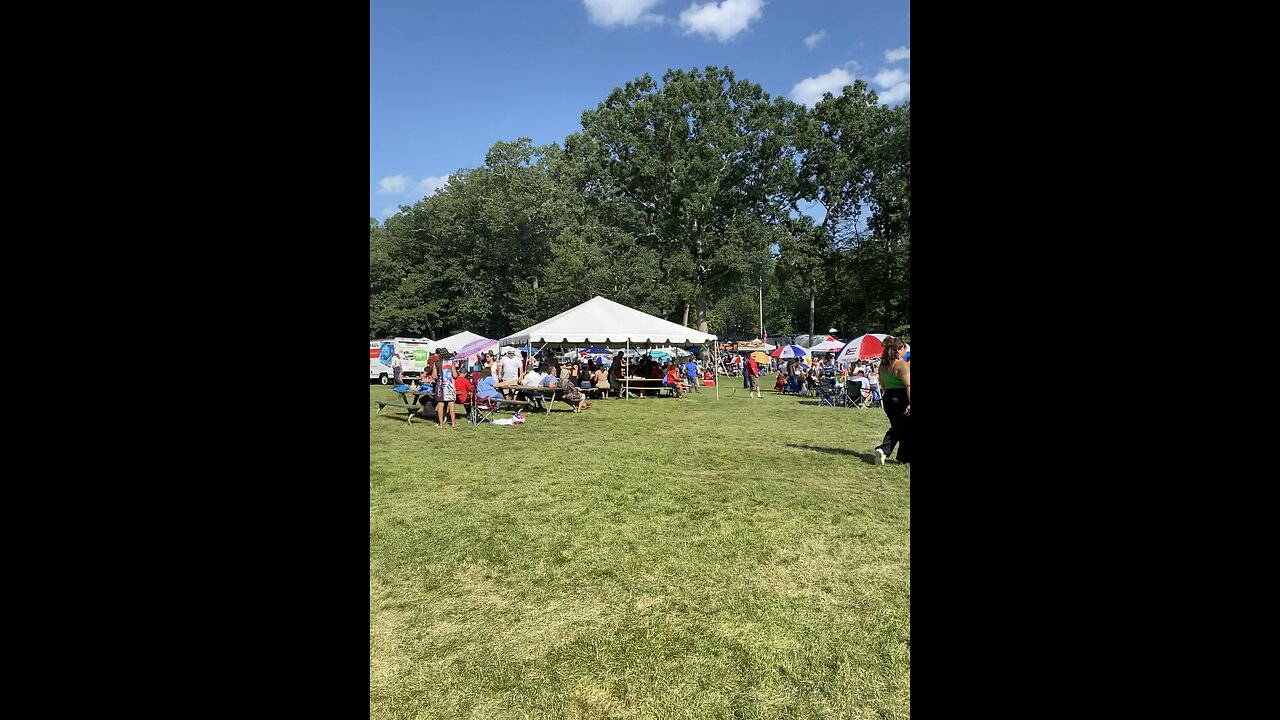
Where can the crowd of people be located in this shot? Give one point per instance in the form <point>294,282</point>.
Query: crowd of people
<point>885,380</point>
<point>508,376</point>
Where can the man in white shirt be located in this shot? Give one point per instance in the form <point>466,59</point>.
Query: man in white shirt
<point>510,370</point>
<point>863,385</point>
<point>531,378</point>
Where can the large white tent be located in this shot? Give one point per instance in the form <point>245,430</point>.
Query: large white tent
<point>600,320</point>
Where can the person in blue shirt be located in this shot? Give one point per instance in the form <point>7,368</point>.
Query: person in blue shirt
<point>486,387</point>
<point>691,371</point>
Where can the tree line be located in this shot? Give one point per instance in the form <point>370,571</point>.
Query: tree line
<point>688,199</point>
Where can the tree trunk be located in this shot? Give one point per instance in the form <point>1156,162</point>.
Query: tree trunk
<point>685,322</point>
<point>811,342</point>
<point>699,278</point>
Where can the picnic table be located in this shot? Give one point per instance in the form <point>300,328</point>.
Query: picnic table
<point>418,394</point>
<point>543,397</point>
<point>647,384</point>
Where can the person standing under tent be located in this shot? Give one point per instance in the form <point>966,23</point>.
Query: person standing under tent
<point>691,371</point>
<point>895,378</point>
<point>510,370</point>
<point>615,374</point>
<point>602,381</point>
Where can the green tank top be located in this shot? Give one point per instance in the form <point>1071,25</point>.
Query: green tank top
<point>890,381</point>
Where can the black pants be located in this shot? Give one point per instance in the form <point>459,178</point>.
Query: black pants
<point>895,402</point>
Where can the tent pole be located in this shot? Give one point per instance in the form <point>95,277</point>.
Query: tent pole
<point>715,368</point>
<point>626,361</point>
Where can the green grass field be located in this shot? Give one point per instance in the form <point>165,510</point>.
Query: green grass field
<point>651,558</point>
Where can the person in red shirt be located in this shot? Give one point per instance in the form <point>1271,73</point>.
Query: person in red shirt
<point>673,380</point>
<point>464,388</point>
<point>753,375</point>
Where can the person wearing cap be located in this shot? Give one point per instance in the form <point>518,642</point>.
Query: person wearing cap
<point>510,369</point>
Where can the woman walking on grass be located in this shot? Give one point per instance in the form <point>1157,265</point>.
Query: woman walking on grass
<point>895,379</point>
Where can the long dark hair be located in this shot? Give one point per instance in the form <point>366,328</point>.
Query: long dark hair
<point>438,366</point>
<point>892,350</point>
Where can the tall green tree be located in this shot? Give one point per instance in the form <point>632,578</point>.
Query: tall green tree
<point>684,166</point>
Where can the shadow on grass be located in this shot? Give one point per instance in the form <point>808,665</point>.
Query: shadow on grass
<point>869,458</point>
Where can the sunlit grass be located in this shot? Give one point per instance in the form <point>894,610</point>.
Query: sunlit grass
<point>647,558</point>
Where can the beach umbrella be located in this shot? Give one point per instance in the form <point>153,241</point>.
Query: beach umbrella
<point>789,351</point>
<point>864,347</point>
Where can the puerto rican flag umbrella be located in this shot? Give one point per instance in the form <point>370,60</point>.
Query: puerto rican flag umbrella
<point>864,347</point>
<point>788,351</point>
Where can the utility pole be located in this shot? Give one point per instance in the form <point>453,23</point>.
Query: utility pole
<point>761,308</point>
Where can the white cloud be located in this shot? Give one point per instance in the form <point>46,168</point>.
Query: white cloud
<point>813,39</point>
<point>891,76</point>
<point>392,184</point>
<point>895,93</point>
<point>896,83</point>
<point>810,90</point>
<point>389,211</point>
<point>902,53</point>
<point>724,19</point>
<point>405,185</point>
<point>607,13</point>
<point>431,184</point>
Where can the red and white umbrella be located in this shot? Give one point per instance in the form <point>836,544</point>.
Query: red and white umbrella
<point>864,347</point>
<point>789,351</point>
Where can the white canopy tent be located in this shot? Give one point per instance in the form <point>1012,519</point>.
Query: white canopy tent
<point>829,344</point>
<point>600,320</point>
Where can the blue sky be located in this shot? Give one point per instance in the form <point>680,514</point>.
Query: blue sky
<point>449,78</point>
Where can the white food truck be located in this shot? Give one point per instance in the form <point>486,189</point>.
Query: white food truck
<point>413,353</point>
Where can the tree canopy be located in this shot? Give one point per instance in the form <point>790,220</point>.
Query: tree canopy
<point>697,194</point>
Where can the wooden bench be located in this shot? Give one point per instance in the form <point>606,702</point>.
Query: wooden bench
<point>670,391</point>
<point>412,408</point>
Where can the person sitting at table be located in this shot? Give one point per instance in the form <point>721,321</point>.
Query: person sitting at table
<point>486,388</point>
<point>672,380</point>
<point>550,379</point>
<point>654,372</point>
<point>533,378</point>
<point>573,397</point>
<point>464,388</point>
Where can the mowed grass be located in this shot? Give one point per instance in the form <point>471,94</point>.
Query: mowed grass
<point>649,558</point>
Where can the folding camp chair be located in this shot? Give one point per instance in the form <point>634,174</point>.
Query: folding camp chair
<point>483,409</point>
<point>832,395</point>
